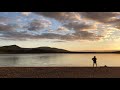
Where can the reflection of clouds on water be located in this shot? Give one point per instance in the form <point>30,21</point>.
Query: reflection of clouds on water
<point>48,59</point>
<point>49,56</point>
<point>44,57</point>
<point>33,60</point>
<point>8,60</point>
<point>51,60</point>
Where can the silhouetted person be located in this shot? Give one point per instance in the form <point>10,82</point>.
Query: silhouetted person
<point>94,61</point>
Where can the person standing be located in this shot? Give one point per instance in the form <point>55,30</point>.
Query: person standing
<point>94,61</point>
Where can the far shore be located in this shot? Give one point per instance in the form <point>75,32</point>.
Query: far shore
<point>68,53</point>
<point>59,72</point>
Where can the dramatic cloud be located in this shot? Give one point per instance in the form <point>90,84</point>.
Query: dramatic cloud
<point>66,26</point>
<point>77,26</point>
<point>7,27</point>
<point>73,20</point>
<point>81,35</point>
<point>14,35</point>
<point>61,16</point>
<point>104,17</point>
<point>116,24</point>
<point>85,35</point>
<point>38,24</point>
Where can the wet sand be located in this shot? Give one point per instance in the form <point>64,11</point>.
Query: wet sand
<point>59,72</point>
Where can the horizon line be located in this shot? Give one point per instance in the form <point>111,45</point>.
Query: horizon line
<point>67,49</point>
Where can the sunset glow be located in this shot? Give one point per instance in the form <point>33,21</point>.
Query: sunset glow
<point>75,31</point>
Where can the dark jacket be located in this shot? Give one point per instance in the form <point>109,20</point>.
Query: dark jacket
<point>94,59</point>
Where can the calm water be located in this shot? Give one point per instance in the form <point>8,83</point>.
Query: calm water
<point>49,60</point>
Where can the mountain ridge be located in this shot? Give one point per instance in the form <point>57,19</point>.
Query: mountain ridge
<point>16,49</point>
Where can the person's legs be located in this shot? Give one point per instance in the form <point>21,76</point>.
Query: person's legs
<point>93,64</point>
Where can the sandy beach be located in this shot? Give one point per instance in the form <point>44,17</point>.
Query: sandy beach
<point>59,72</point>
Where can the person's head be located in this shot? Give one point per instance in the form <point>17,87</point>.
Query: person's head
<point>94,56</point>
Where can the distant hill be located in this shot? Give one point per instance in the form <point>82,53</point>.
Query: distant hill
<point>117,52</point>
<point>14,49</point>
<point>11,47</point>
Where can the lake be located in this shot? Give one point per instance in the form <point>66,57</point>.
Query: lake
<point>57,60</point>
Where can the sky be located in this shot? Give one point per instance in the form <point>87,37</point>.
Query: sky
<point>75,31</point>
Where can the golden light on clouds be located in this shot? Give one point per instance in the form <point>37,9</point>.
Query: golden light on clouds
<point>26,13</point>
<point>69,30</point>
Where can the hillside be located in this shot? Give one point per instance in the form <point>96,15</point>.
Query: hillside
<point>14,49</point>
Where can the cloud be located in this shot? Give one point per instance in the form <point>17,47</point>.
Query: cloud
<point>85,35</point>
<point>5,20</point>
<point>61,16</point>
<point>81,35</point>
<point>7,27</point>
<point>104,17</point>
<point>38,24</point>
<point>25,13</point>
<point>58,41</point>
<point>14,36</point>
<point>77,26</point>
<point>72,21</point>
<point>62,28</point>
<point>115,24</point>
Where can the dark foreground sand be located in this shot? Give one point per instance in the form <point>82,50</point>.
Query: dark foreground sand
<point>59,72</point>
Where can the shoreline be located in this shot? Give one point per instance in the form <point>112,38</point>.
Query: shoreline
<point>59,72</point>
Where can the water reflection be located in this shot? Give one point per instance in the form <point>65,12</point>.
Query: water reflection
<point>48,60</point>
<point>48,56</point>
<point>8,60</point>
